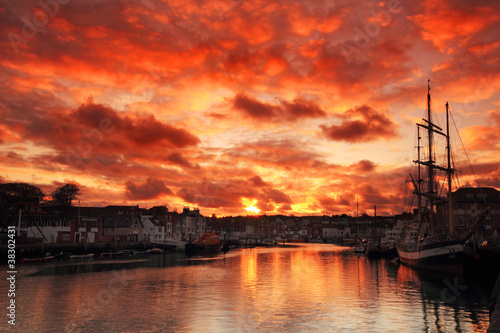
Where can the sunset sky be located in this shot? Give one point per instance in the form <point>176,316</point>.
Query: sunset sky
<point>239,106</point>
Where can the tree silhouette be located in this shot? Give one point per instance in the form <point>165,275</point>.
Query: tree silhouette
<point>65,194</point>
<point>22,191</point>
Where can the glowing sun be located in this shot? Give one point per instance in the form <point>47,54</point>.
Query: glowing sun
<point>252,209</point>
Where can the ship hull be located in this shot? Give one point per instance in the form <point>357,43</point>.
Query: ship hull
<point>445,258</point>
<point>196,248</point>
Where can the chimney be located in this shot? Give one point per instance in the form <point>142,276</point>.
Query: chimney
<point>374,210</point>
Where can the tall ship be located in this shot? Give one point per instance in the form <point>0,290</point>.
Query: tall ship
<point>423,247</point>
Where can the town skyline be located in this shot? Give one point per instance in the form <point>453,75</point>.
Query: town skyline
<point>243,107</point>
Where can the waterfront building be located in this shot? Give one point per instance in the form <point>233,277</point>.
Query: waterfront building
<point>173,225</point>
<point>154,228</point>
<point>123,227</point>
<point>336,231</point>
<point>315,230</point>
<point>193,224</point>
<point>50,228</point>
<point>45,228</point>
<point>86,229</point>
<point>468,204</point>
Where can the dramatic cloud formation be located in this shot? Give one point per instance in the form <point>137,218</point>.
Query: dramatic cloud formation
<point>277,196</point>
<point>293,107</point>
<point>257,181</point>
<point>151,189</point>
<point>438,22</point>
<point>285,111</point>
<point>364,166</point>
<point>372,126</point>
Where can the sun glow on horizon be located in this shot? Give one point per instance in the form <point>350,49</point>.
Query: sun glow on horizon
<point>252,209</point>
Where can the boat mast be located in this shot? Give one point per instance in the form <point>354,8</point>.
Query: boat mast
<point>357,206</point>
<point>449,171</point>
<point>357,225</point>
<point>419,184</point>
<point>430,165</point>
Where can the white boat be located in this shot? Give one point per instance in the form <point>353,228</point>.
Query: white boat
<point>81,256</point>
<point>178,244</point>
<point>427,249</point>
<point>38,260</point>
<point>112,254</point>
<point>154,250</point>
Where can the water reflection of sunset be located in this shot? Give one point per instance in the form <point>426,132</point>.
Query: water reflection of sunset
<point>311,288</point>
<point>249,270</point>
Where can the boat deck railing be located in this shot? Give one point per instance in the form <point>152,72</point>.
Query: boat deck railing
<point>438,239</point>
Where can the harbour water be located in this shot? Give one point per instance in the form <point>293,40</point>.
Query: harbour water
<point>310,288</point>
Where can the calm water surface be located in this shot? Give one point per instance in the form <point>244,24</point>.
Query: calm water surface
<point>314,287</point>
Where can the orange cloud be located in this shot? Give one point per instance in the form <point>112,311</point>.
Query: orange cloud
<point>298,108</point>
<point>151,189</point>
<point>372,126</point>
<point>484,138</point>
<point>444,24</point>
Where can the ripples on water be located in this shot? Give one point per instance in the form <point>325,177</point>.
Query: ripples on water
<point>311,288</point>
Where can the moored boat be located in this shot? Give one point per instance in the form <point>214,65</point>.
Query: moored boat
<point>111,254</point>
<point>208,242</point>
<point>373,251</point>
<point>62,256</point>
<point>348,241</point>
<point>155,250</point>
<point>359,248</point>
<point>426,249</point>
<point>174,244</point>
<point>81,256</point>
<point>388,251</point>
<point>225,248</point>
<point>37,260</point>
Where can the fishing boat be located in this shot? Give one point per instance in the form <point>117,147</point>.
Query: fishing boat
<point>360,246</point>
<point>426,249</point>
<point>208,242</point>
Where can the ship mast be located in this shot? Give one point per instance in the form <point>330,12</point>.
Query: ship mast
<point>419,183</point>
<point>449,171</point>
<point>430,165</point>
<point>430,193</point>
